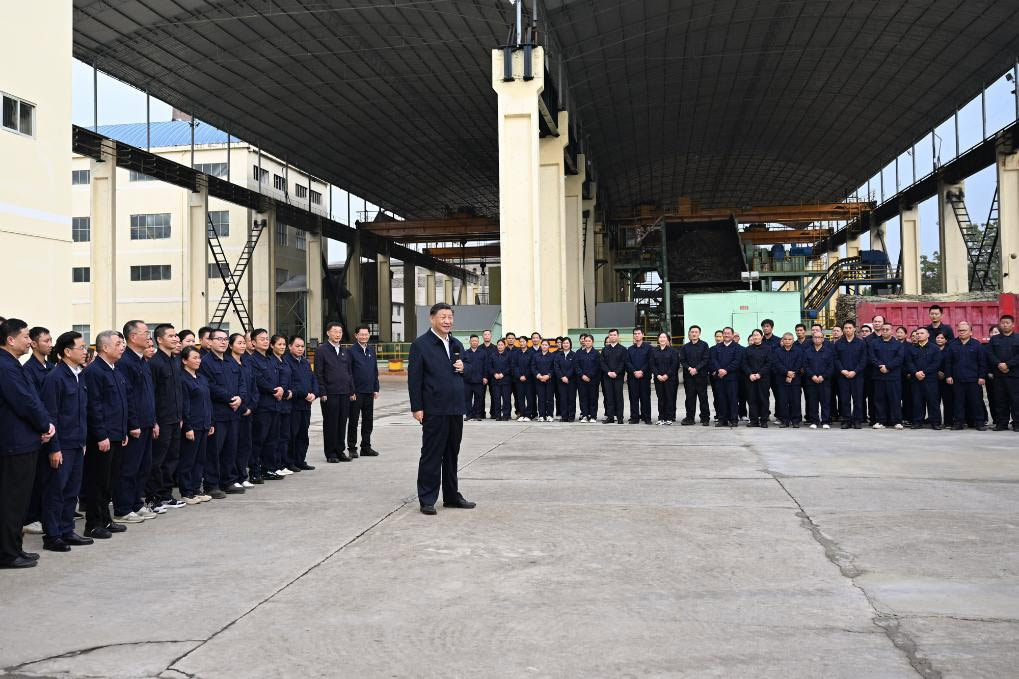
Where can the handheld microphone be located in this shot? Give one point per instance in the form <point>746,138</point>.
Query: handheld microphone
<point>454,357</point>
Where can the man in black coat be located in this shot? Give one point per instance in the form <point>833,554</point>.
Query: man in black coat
<point>613,368</point>
<point>165,368</point>
<point>333,372</point>
<point>435,381</point>
<point>1003,356</point>
<point>696,368</point>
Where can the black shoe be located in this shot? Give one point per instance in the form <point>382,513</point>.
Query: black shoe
<point>30,555</point>
<point>857,425</point>
<point>796,425</point>
<point>429,510</point>
<point>352,452</point>
<point>685,422</point>
<point>916,426</point>
<point>936,427</point>
<point>633,421</point>
<point>271,476</point>
<point>706,423</point>
<point>77,540</point>
<point>306,467</point>
<point>232,490</point>
<point>721,423</point>
<point>980,427</point>
<point>99,533</point>
<point>294,468</point>
<point>1001,427</point>
<point>56,545</point>
<point>256,479</point>
<point>462,503</point>
<point>19,562</point>
<point>216,494</point>
<point>115,527</point>
<point>332,459</point>
<point>371,452</point>
<point>957,427</point>
<point>764,424</point>
<point>343,457</point>
<point>607,421</point>
<point>783,425</point>
<point>619,421</point>
<point>733,424</point>
<point>847,425</point>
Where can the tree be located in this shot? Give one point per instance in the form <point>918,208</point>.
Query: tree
<point>930,273</point>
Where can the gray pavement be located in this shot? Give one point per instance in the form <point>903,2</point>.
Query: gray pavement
<point>696,552</point>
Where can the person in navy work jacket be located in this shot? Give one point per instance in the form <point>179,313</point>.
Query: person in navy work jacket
<point>165,368</point>
<point>923,362</point>
<point>364,369</point>
<point>498,369</point>
<point>435,383</point>
<point>197,427</point>
<point>565,373</point>
<point>726,359</point>
<point>38,366</point>
<point>851,359</point>
<point>489,347</point>
<point>786,366</point>
<point>756,368</point>
<point>965,367</point>
<point>664,366</point>
<point>237,352</point>
<point>305,388</point>
<point>531,385</point>
<point>1003,357</point>
<point>282,448</point>
<point>587,371</point>
<point>886,360</point>
<point>818,371</point>
<point>130,475</point>
<point>265,428</point>
<point>696,361</point>
<point>520,371</point>
<point>332,370</point>
<point>109,415</point>
<point>24,426</point>
<point>474,359</point>
<point>227,389</point>
<point>66,401</point>
<point>638,378</point>
<point>542,367</point>
<point>613,368</point>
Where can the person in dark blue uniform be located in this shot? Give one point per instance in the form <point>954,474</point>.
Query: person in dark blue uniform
<point>965,367</point>
<point>333,372</point>
<point>923,362</point>
<point>237,345</point>
<point>613,368</point>
<point>696,361</point>
<point>587,376</point>
<point>773,341</point>
<point>364,369</point>
<point>435,382</point>
<point>109,412</point>
<point>279,352</point>
<point>638,378</point>
<point>305,388</point>
<point>531,386</point>
<point>818,371</point>
<point>946,397</point>
<point>197,427</point>
<point>520,366</point>
<point>664,368</point>
<point>726,361</point>
<point>489,347</point>
<point>787,366</point>
<point>165,369</point>
<point>498,370</point>
<point>566,379</point>
<point>24,426</point>
<point>265,427</point>
<point>756,368</point>
<point>515,387</point>
<point>133,466</point>
<point>1003,357</point>
<point>227,390</point>
<point>38,366</point>
<point>886,359</point>
<point>66,401</point>
<point>871,333</point>
<point>935,326</point>
<point>474,359</point>
<point>851,360</point>
<point>542,367</point>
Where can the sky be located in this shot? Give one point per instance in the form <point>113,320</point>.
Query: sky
<point>121,103</point>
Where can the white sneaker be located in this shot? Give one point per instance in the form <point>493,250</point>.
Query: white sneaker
<point>34,528</point>
<point>146,513</point>
<point>523,418</point>
<point>130,517</point>
<point>204,498</point>
<point>825,426</point>
<point>878,425</point>
<point>193,500</point>
<point>247,484</point>
<point>284,472</point>
<point>898,426</point>
<point>813,426</point>
<point>174,503</point>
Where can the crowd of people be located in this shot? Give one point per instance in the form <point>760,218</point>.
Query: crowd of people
<point>116,432</point>
<point>874,373</point>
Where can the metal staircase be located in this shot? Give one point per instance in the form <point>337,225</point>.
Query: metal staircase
<point>980,246</point>
<point>231,278</point>
<point>848,271</point>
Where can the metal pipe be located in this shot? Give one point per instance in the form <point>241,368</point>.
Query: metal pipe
<point>228,156</point>
<point>1015,83</point>
<point>507,64</point>
<point>95,96</point>
<point>983,111</point>
<point>192,140</point>
<point>148,121</point>
<point>956,133</point>
<point>520,21</point>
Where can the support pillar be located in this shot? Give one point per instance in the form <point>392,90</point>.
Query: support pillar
<point>447,290</point>
<point>104,240</point>
<point>197,281</point>
<point>853,247</point>
<point>877,236</point>
<point>262,275</point>
<point>410,291</point>
<point>352,312</point>
<point>385,299</point>
<point>1008,209</point>
<point>573,245</point>
<point>461,294</point>
<point>553,270</point>
<point>909,225</point>
<point>430,289</point>
<point>313,299</point>
<point>519,188</point>
<point>587,258</point>
<point>954,256</point>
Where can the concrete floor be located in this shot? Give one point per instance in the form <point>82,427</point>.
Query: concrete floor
<point>699,552</point>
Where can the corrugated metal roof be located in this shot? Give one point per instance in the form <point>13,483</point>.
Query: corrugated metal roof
<point>165,133</point>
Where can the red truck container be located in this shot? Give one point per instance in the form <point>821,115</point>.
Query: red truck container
<point>913,314</point>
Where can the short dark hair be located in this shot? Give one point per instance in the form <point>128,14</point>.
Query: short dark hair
<point>1007,317</point>
<point>64,342</point>
<point>767,321</point>
<point>233,338</point>
<point>187,351</point>
<point>333,324</point>
<point>130,326</point>
<point>848,321</point>
<point>694,326</point>
<point>729,328</point>
<point>640,329</point>
<point>35,333</point>
<point>472,337</point>
<point>511,334</point>
<point>501,341</point>
<point>902,328</point>
<point>160,331</point>
<point>359,328</point>
<point>613,330</point>
<point>566,339</point>
<point>277,338</point>
<point>816,325</point>
<point>294,339</point>
<point>441,306</point>
<point>535,333</point>
<point>204,332</point>
<point>11,328</point>
<point>932,307</point>
<point>213,331</point>
<point>184,334</point>
<point>258,331</point>
<point>800,325</point>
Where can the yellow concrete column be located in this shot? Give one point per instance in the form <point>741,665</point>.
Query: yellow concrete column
<point>314,299</point>
<point>877,236</point>
<point>587,259</point>
<point>385,299</point>
<point>954,256</point>
<point>447,290</point>
<point>853,247</point>
<point>468,297</point>
<point>573,241</point>
<point>104,240</point>
<point>1008,209</point>
<point>909,225</point>
<point>197,280</point>
<point>262,275</point>
<point>353,303</point>
<point>410,290</point>
<point>552,272</point>
<point>430,289</point>
<point>519,189</point>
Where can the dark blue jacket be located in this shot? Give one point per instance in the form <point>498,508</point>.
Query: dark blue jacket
<point>638,358</point>
<point>302,382</point>
<point>166,372</point>
<point>474,365</point>
<point>613,360</point>
<point>782,362</point>
<point>944,328</point>
<point>197,401</point>
<point>965,362</point>
<point>109,402</point>
<point>757,360</point>
<point>364,366</point>
<point>23,417</point>
<point>543,364</point>
<point>819,362</point>
<point>665,362</point>
<point>696,355</point>
<point>250,385</point>
<point>1004,349</point>
<point>773,342</point>
<point>498,363</point>
<point>520,364</point>
<point>266,370</point>
<point>891,355</point>
<point>225,382</point>
<point>332,370</point>
<point>37,373</point>
<point>143,393</point>
<point>490,350</point>
<point>527,362</point>
<point>587,363</point>
<point>565,365</point>
<point>434,385</point>
<point>66,401</point>
<point>928,359</point>
<point>728,357</point>
<point>285,404</point>
<point>851,356</point>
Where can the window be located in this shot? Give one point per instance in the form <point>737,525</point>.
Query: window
<point>220,222</point>
<point>150,227</point>
<point>260,174</point>
<point>214,271</point>
<point>18,116</point>
<point>213,169</point>
<point>150,272</point>
<point>279,183</point>
<point>136,176</point>
<point>225,327</point>
<point>81,274</point>
<point>300,239</point>
<point>81,229</point>
<point>80,177</point>
<point>282,276</point>
<point>301,190</point>
<point>281,235</point>
<point>316,197</point>
<point>86,332</point>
